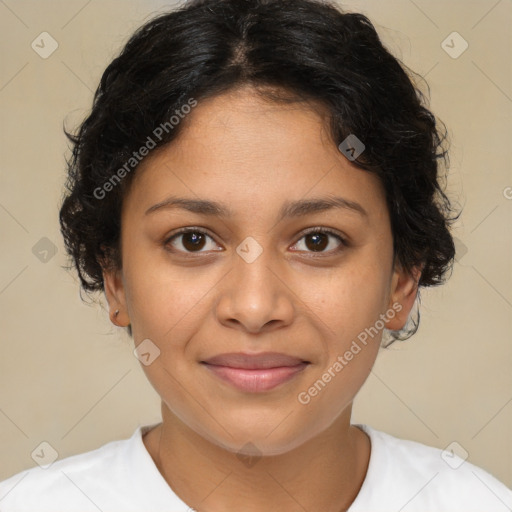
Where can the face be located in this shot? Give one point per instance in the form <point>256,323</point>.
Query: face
<point>288,250</point>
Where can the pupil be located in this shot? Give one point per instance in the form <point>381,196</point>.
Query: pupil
<point>319,243</point>
<point>196,241</point>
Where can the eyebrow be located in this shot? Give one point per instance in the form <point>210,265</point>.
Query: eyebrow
<point>290,209</point>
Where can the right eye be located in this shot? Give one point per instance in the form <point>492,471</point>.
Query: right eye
<point>192,240</point>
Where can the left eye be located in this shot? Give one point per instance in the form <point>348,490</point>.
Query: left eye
<point>194,240</point>
<point>317,240</point>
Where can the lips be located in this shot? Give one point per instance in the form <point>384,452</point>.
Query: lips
<point>255,361</point>
<point>255,372</point>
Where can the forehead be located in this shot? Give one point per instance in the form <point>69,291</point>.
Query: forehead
<point>242,149</point>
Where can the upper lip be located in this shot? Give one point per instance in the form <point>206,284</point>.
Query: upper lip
<point>254,361</point>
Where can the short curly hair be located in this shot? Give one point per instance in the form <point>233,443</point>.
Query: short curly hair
<point>288,50</point>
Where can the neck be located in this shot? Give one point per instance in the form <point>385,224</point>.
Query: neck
<point>324,473</point>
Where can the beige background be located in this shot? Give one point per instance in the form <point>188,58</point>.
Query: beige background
<point>69,377</point>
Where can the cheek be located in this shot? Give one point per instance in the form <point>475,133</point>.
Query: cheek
<point>163,298</point>
<point>349,309</point>
<point>350,299</point>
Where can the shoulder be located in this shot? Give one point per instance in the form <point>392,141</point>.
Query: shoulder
<point>70,483</point>
<point>416,477</point>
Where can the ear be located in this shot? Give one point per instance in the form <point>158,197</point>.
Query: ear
<point>116,298</point>
<point>404,289</point>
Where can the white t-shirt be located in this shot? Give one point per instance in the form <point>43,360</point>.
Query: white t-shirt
<point>121,476</point>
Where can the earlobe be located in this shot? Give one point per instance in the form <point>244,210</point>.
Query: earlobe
<point>404,290</point>
<point>114,293</point>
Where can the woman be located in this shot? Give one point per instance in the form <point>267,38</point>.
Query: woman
<point>257,192</point>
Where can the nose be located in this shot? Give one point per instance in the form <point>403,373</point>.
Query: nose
<point>254,295</point>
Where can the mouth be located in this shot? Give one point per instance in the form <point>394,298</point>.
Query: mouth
<point>255,373</point>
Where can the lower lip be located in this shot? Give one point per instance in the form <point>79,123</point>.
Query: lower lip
<point>256,381</point>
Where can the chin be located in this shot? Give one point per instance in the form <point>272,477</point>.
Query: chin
<point>262,435</point>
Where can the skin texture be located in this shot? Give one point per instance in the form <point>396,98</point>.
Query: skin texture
<point>254,156</point>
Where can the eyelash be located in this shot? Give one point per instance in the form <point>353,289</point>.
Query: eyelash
<point>314,230</point>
